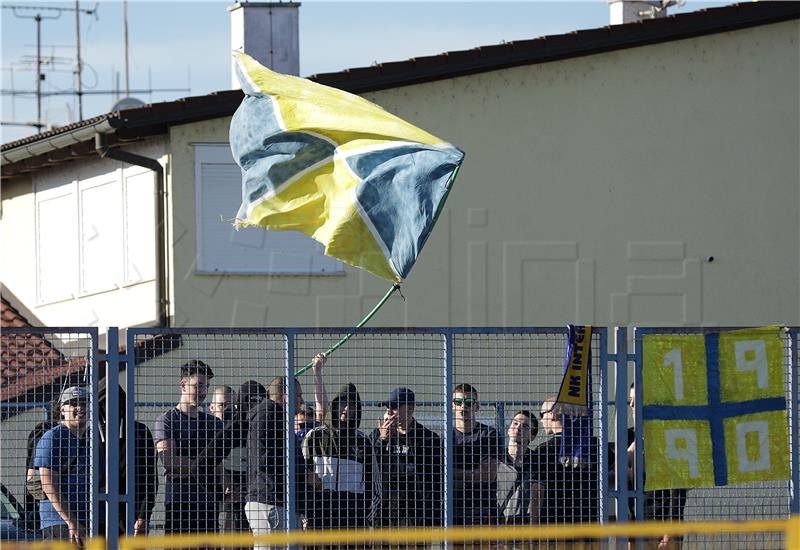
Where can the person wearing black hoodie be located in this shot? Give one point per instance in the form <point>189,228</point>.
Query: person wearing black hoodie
<point>410,457</point>
<point>343,486</point>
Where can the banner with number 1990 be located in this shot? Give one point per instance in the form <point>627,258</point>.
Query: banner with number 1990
<point>714,409</point>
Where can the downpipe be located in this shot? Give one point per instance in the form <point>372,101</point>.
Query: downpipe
<point>102,148</point>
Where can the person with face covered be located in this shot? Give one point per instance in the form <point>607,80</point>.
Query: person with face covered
<point>410,459</point>
<point>341,463</point>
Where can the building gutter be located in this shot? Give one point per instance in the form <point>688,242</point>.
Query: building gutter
<point>61,141</point>
<point>102,148</point>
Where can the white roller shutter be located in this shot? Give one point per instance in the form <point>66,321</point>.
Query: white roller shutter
<point>222,249</point>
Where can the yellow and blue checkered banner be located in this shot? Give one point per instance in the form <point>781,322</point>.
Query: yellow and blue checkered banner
<point>361,181</point>
<point>714,409</point>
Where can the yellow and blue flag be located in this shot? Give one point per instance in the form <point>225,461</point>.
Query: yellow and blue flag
<point>361,181</point>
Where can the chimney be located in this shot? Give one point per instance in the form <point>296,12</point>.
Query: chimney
<point>631,11</point>
<point>268,32</point>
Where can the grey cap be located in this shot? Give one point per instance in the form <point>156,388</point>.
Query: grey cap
<point>73,393</point>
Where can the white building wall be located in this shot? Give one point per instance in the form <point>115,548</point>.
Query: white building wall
<point>595,190</point>
<point>79,240</point>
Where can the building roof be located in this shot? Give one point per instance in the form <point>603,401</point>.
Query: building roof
<point>31,367</point>
<point>76,140</point>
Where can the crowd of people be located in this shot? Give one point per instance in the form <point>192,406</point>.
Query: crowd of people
<point>226,469</point>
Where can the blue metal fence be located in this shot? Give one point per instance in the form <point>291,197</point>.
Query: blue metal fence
<point>515,367</point>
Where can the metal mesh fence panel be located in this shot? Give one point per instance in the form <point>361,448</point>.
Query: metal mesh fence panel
<point>368,431</point>
<point>516,377</point>
<point>193,394</point>
<point>750,501</point>
<point>220,444</point>
<point>372,453</point>
<point>47,457</point>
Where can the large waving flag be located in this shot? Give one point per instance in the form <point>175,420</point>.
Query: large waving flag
<point>361,181</point>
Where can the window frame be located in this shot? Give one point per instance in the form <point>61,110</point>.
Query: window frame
<point>220,153</point>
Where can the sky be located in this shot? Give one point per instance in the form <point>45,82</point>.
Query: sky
<point>184,46</point>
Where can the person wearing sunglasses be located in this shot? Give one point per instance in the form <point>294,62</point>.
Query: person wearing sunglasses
<point>62,461</point>
<point>477,450</point>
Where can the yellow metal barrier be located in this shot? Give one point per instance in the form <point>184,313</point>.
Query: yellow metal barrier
<point>789,527</point>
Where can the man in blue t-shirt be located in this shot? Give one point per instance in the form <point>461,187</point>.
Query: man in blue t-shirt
<point>477,450</point>
<point>62,460</point>
<point>188,442</point>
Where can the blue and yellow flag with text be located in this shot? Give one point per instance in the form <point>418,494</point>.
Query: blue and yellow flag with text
<point>574,399</point>
<point>361,181</point>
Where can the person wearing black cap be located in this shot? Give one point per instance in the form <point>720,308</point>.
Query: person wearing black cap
<point>62,460</point>
<point>409,457</point>
<point>341,462</point>
<point>193,491</point>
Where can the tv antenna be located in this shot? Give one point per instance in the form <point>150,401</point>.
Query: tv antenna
<point>19,12</point>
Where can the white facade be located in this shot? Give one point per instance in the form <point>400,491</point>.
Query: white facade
<point>79,241</point>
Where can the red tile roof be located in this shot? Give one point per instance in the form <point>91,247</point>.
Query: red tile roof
<point>31,367</point>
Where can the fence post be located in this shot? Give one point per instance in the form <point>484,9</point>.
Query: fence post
<point>638,426</point>
<point>96,459</point>
<point>130,433</point>
<point>794,421</point>
<point>621,447</point>
<point>447,433</point>
<point>112,438</point>
<point>291,440</point>
<point>603,413</point>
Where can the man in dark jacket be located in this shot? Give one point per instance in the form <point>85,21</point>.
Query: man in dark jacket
<point>146,465</point>
<point>266,460</point>
<point>409,457</point>
<point>570,492</point>
<point>341,463</point>
<point>266,457</point>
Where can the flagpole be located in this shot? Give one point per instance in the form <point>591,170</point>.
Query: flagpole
<point>364,321</point>
<point>395,286</point>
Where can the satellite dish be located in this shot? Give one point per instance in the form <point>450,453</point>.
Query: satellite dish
<point>127,103</point>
